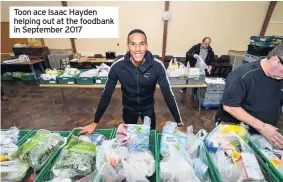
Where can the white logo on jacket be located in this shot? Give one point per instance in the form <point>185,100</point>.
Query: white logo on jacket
<point>146,75</point>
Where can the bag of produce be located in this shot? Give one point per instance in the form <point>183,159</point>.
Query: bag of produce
<point>134,136</point>
<point>37,150</point>
<point>76,161</point>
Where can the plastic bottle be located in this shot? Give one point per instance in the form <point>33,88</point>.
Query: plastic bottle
<point>188,69</point>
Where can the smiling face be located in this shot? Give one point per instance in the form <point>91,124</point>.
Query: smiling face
<point>137,46</point>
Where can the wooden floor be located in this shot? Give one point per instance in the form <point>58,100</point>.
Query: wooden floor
<point>32,107</point>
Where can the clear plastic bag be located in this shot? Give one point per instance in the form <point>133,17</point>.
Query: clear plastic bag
<point>227,170</point>
<point>194,141</point>
<point>201,65</point>
<point>200,169</point>
<point>13,170</point>
<point>225,133</point>
<point>171,136</point>
<point>134,136</point>
<point>37,150</point>
<point>177,168</point>
<point>116,163</point>
<point>143,161</point>
<point>249,162</point>
<point>280,167</point>
<point>9,136</point>
<point>176,69</point>
<point>261,142</point>
<point>106,173</point>
<point>132,172</point>
<point>8,149</point>
<point>196,149</point>
<point>200,164</point>
<point>109,161</point>
<point>76,160</point>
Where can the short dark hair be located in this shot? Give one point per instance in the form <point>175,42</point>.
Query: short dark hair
<point>136,31</point>
<point>277,51</point>
<point>206,38</point>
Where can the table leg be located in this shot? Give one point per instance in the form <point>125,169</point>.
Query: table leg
<point>41,67</point>
<point>199,100</point>
<point>33,71</point>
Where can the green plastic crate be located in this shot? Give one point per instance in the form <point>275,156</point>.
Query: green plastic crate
<point>52,81</point>
<point>269,171</point>
<point>213,172</point>
<point>85,80</point>
<point>100,79</point>
<point>67,80</point>
<point>265,168</point>
<point>45,173</point>
<point>153,146</point>
<point>7,77</point>
<point>28,77</point>
<point>266,41</point>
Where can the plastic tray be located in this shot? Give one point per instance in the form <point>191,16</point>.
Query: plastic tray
<point>45,173</point>
<point>213,172</point>
<point>196,80</point>
<point>177,80</point>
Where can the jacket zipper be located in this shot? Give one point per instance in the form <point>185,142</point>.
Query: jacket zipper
<point>138,90</point>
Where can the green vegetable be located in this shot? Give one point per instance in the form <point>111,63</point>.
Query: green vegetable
<point>77,160</point>
<point>36,151</point>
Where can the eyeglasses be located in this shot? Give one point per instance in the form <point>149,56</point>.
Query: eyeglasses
<point>280,59</point>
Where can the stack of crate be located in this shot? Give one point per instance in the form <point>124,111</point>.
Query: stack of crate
<point>212,95</point>
<point>260,46</point>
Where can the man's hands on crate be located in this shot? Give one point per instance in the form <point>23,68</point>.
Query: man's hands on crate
<point>88,129</point>
<point>271,134</point>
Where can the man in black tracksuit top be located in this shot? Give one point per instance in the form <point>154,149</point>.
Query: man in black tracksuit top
<point>138,73</point>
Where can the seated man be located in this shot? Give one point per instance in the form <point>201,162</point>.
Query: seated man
<point>252,95</point>
<point>203,50</point>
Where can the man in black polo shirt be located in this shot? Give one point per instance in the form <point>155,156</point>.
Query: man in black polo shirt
<point>252,95</point>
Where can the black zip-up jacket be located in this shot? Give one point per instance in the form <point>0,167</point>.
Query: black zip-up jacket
<point>138,86</point>
<point>196,50</point>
